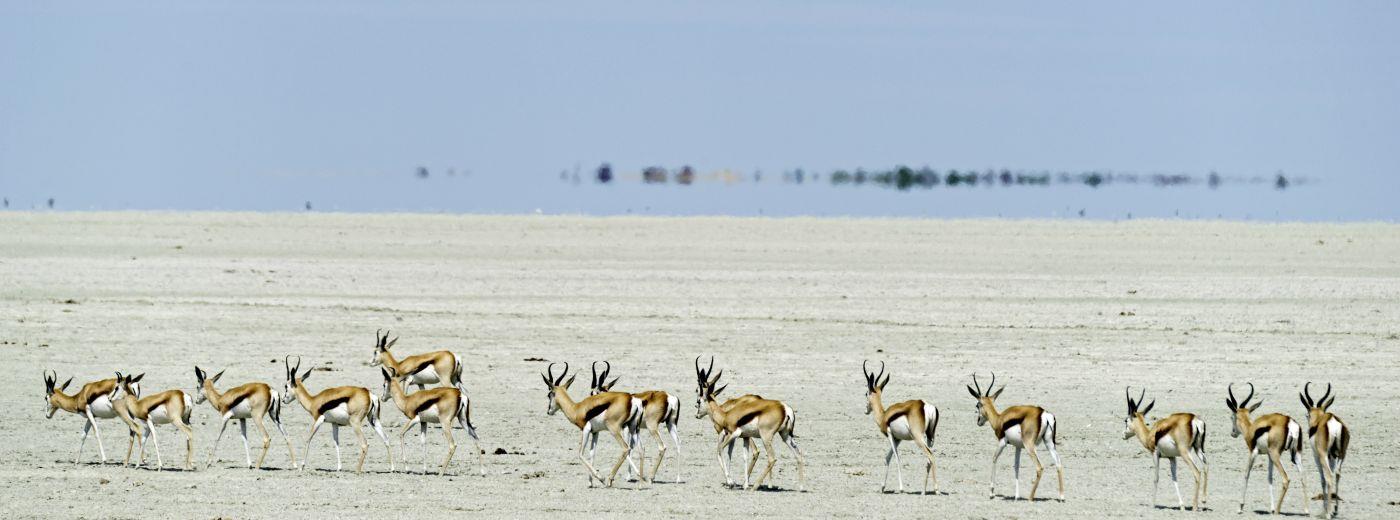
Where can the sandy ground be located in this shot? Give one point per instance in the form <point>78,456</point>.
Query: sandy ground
<point>1067,313</point>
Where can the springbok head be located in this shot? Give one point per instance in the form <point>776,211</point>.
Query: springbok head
<point>1240,410</point>
<point>1135,411</point>
<point>50,386</point>
<point>556,385</point>
<point>289,393</point>
<point>200,378</point>
<point>382,344</point>
<point>873,385</point>
<point>985,397</point>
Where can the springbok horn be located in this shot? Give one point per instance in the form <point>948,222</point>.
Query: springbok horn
<point>1251,394</point>
<point>975,385</point>
<point>1326,394</point>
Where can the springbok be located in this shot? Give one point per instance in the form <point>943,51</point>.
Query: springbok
<point>1179,435</point>
<point>762,418</point>
<point>1021,426</point>
<point>421,369</point>
<point>446,406</point>
<point>749,456</point>
<point>1330,437</point>
<point>168,407</point>
<point>617,412</point>
<point>1270,434</point>
<point>93,401</point>
<point>248,401</point>
<point>340,406</point>
<point>898,423</point>
<point>658,407</point>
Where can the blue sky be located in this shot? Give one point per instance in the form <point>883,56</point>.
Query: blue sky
<point>264,105</point>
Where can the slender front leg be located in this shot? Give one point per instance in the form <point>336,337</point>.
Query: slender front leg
<point>1180,504</point>
<point>889,456</point>
<point>243,431</point>
<point>751,447</point>
<point>1244,490</point>
<point>626,453</point>
<point>87,426</point>
<point>96,433</point>
<point>151,427</point>
<point>992,474</point>
<point>582,447</point>
<point>725,440</point>
<point>213,450</point>
<point>423,440</point>
<point>1156,476</point>
<point>306,453</point>
<point>335,439</point>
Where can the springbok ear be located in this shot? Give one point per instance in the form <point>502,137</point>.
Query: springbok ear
<point>391,343</point>
<point>138,377</point>
<point>1255,406</point>
<point>1325,405</point>
<point>65,385</point>
<point>198,374</point>
<point>973,392</point>
<point>1304,400</point>
<point>570,382</point>
<point>611,383</point>
<point>885,382</point>
<point>217,376</point>
<point>997,393</point>
<point>1230,403</point>
<point>305,375</point>
<point>385,373</point>
<point>718,390</point>
<point>547,382</point>
<point>1149,407</point>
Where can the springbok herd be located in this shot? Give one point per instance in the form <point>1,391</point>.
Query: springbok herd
<point>744,418</point>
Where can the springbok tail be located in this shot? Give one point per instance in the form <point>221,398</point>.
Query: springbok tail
<point>373,414</point>
<point>274,408</point>
<point>1198,435</point>
<point>673,410</point>
<point>789,421</point>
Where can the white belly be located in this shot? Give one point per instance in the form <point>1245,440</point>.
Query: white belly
<point>427,376</point>
<point>242,410</point>
<point>1166,447</point>
<point>899,428</point>
<point>747,431</point>
<point>430,415</point>
<point>339,415</point>
<point>1013,436</point>
<point>102,408</point>
<point>160,415</point>
<point>597,424</point>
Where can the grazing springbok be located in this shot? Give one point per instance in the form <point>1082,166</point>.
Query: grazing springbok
<point>93,401</point>
<point>616,412</point>
<point>761,418</point>
<point>340,406</point>
<point>421,369</point>
<point>912,420</point>
<point>1330,437</point>
<point>248,401</point>
<point>658,408</point>
<point>749,456</point>
<point>1270,434</point>
<point>1179,435</point>
<point>446,406</point>
<point>1022,427</point>
<point>168,407</point>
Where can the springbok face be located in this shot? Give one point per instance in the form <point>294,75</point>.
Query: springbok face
<point>600,381</point>
<point>707,396</point>
<point>555,386</point>
<point>389,379</point>
<point>289,388</point>
<point>1319,406</point>
<point>49,386</point>
<point>382,344</point>
<point>1240,410</point>
<point>130,384</point>
<point>1134,414</point>
<point>201,377</point>
<point>984,401</point>
<point>873,386</point>
<point>703,383</point>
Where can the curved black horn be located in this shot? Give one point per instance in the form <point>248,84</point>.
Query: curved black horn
<point>1251,394</point>
<point>563,374</point>
<point>1128,394</point>
<point>975,385</point>
<point>1307,395</point>
<point>991,387</point>
<point>549,373</point>
<point>1326,394</point>
<point>593,380</point>
<point>882,371</point>
<point>1142,395</point>
<point>607,369</point>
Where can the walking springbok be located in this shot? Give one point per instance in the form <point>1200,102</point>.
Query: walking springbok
<point>616,412</point>
<point>1329,437</point>
<point>340,406</point>
<point>749,456</point>
<point>912,420</point>
<point>93,401</point>
<point>762,418</point>
<point>248,401</point>
<point>1021,426</point>
<point>658,407</point>
<point>1270,434</point>
<point>1179,435</point>
<point>446,406</point>
<point>168,407</point>
<point>421,369</point>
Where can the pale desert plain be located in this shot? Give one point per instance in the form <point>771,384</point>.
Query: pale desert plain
<point>1065,312</point>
